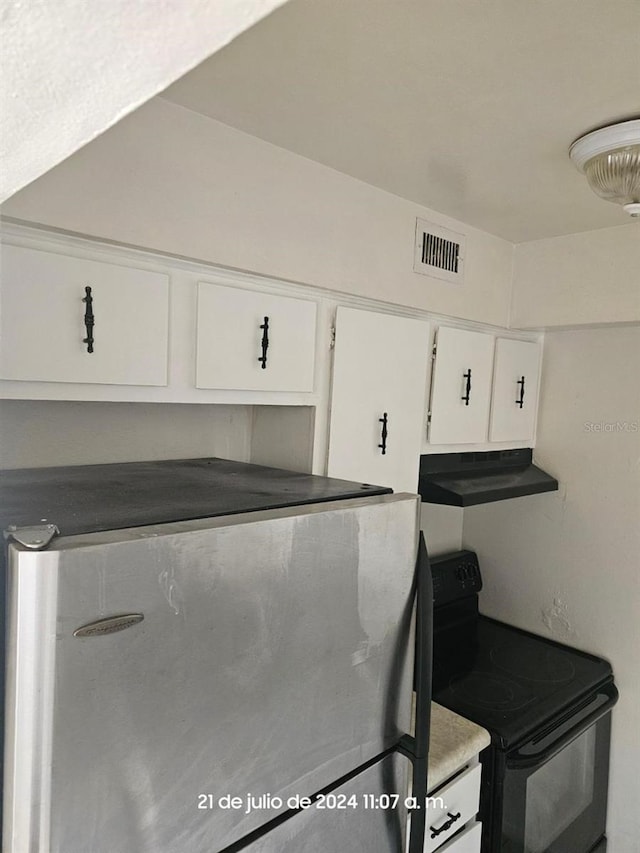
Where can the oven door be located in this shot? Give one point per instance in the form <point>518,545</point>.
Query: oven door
<point>555,785</point>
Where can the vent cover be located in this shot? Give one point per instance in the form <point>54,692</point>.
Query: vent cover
<point>438,252</point>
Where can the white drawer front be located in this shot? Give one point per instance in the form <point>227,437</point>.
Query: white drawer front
<point>460,797</point>
<point>467,842</point>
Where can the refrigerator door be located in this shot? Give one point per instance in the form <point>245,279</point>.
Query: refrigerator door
<point>274,656</point>
<point>367,814</point>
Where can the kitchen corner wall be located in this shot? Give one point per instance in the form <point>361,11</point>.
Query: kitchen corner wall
<point>442,526</point>
<point>578,279</point>
<point>567,564</point>
<point>169,179</point>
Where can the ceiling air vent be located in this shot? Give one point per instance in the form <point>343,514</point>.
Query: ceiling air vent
<point>439,252</point>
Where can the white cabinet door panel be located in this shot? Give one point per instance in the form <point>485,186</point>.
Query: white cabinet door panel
<point>42,316</point>
<point>515,390</point>
<point>461,797</point>
<point>230,337</point>
<point>467,842</point>
<point>380,366</point>
<point>461,392</point>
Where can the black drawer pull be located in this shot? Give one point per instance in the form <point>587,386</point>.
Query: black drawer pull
<point>384,420</point>
<point>446,825</point>
<point>89,320</point>
<point>520,400</point>
<point>467,394</point>
<point>265,342</point>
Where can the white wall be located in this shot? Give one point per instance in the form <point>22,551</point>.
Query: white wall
<point>46,433</point>
<point>169,179</point>
<point>70,69</point>
<point>567,564</point>
<point>442,526</point>
<point>581,279</point>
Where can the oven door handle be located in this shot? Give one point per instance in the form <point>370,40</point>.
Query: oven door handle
<point>601,704</point>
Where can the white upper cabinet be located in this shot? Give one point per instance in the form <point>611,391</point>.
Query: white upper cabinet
<point>461,387</point>
<point>85,321</point>
<point>255,341</point>
<point>515,390</point>
<point>378,396</point>
<point>52,305</point>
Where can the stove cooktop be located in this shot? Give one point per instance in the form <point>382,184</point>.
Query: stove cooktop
<point>510,681</point>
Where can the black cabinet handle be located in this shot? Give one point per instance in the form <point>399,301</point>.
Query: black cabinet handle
<point>445,826</point>
<point>89,320</point>
<point>265,342</point>
<point>520,400</point>
<point>384,420</point>
<point>467,393</point>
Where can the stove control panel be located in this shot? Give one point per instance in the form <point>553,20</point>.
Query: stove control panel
<point>455,576</point>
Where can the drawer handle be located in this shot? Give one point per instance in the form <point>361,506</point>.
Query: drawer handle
<point>520,400</point>
<point>89,320</point>
<point>384,420</point>
<point>446,825</point>
<point>265,342</point>
<point>467,393</point>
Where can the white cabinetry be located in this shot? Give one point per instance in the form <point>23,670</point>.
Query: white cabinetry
<point>177,331</point>
<point>45,320</point>
<point>461,389</point>
<point>378,396</point>
<point>483,389</point>
<point>454,779</point>
<point>467,842</point>
<point>456,803</point>
<point>515,390</point>
<point>252,340</point>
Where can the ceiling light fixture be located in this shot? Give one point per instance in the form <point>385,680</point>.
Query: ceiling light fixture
<point>610,158</point>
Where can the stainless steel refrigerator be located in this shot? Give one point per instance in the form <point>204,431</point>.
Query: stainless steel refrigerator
<point>194,647</point>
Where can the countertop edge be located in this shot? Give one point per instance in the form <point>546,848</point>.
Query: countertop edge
<point>453,742</point>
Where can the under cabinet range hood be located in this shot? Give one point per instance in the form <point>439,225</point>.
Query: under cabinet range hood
<point>468,479</point>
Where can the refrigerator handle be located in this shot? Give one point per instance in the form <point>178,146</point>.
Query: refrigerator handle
<point>424,649</point>
<point>416,748</point>
<point>418,822</point>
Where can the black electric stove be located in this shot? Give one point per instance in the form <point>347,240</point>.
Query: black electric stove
<point>536,697</point>
<point>509,680</point>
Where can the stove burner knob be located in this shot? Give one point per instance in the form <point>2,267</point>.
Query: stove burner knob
<point>463,573</point>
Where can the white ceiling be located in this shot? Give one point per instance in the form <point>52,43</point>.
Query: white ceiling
<point>466,107</point>
<point>71,69</point>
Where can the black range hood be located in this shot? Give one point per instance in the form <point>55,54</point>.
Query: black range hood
<point>468,479</point>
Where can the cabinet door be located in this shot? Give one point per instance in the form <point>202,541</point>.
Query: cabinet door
<point>379,370</point>
<point>515,390</point>
<point>467,842</point>
<point>42,320</point>
<point>254,341</point>
<point>460,798</point>
<point>461,392</point>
